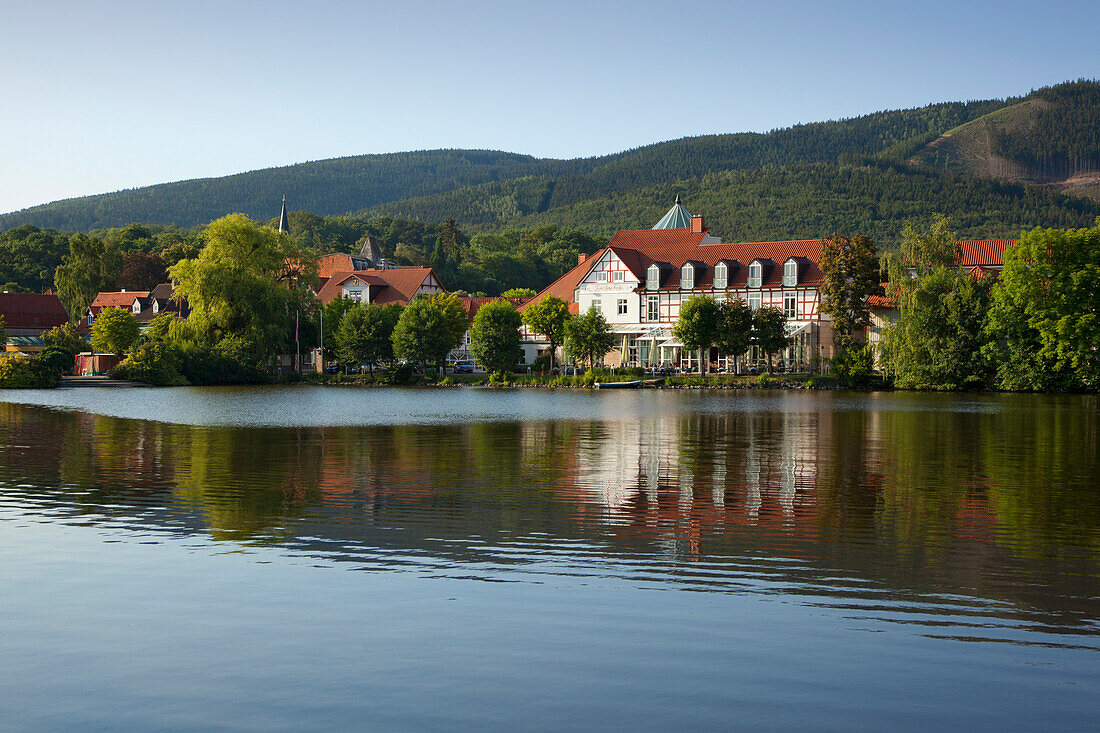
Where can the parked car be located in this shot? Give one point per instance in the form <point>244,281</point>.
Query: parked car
<point>464,367</point>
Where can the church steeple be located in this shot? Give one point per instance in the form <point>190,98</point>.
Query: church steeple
<point>284,225</point>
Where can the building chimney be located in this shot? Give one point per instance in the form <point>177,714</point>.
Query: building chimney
<point>698,224</point>
<point>581,258</point>
<point>123,290</point>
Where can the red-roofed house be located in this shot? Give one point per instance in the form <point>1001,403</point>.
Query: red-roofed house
<point>144,304</point>
<point>381,287</point>
<point>642,277</point>
<point>27,316</point>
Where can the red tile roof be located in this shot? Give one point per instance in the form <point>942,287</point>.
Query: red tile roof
<point>641,247</point>
<point>31,311</point>
<point>564,286</point>
<point>984,251</point>
<point>119,299</point>
<point>397,285</point>
<point>881,301</point>
<point>473,304</point>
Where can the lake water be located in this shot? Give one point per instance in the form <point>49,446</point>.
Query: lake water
<point>301,558</point>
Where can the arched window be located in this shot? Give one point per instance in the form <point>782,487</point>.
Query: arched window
<point>790,273</point>
<point>756,275</point>
<point>653,278</point>
<point>687,276</point>
<point>721,276</point>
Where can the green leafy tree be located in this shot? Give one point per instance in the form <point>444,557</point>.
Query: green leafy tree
<point>248,282</point>
<point>66,338</point>
<point>115,330</point>
<point>734,328</point>
<point>699,325</point>
<point>495,336</point>
<point>769,331</point>
<point>937,341</point>
<point>333,314</point>
<point>519,293</point>
<point>548,317</point>
<point>1043,321</point>
<point>429,327</point>
<point>55,360</point>
<point>588,338</point>
<point>850,273</point>
<point>927,251</point>
<point>177,251</point>
<point>90,267</point>
<point>365,334</point>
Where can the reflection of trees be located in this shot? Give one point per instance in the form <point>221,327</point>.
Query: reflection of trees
<point>1042,465</point>
<point>247,480</point>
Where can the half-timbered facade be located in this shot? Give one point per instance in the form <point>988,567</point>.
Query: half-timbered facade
<point>642,278</point>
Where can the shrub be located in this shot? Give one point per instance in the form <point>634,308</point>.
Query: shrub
<point>853,366</point>
<point>56,359</point>
<point>19,372</point>
<point>153,362</point>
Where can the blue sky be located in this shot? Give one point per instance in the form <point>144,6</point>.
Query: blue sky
<point>109,95</point>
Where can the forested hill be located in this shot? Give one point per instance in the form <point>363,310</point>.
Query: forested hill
<point>357,183</point>
<point>1051,138</point>
<point>325,187</point>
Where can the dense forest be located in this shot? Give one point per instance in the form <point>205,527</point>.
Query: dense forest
<point>354,184</point>
<point>869,196</point>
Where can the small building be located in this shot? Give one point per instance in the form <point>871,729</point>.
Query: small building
<point>380,287</point>
<point>27,316</point>
<point>145,305</point>
<point>95,365</point>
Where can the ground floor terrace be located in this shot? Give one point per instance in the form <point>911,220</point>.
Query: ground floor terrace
<point>654,347</point>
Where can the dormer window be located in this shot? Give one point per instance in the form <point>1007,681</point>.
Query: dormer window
<point>721,276</point>
<point>653,278</point>
<point>687,276</point>
<point>156,307</point>
<point>136,307</point>
<point>790,273</point>
<point>756,275</point>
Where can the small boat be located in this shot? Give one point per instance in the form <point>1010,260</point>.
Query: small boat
<point>619,385</point>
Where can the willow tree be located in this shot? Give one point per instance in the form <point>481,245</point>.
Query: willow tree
<point>250,283</point>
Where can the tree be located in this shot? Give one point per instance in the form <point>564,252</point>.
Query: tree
<point>588,338</point>
<point>519,293</point>
<point>927,251</point>
<point>177,251</point>
<point>429,327</point>
<point>699,325</point>
<point>141,271</point>
<point>548,317</point>
<point>769,331</point>
<point>249,282</point>
<point>66,338</point>
<point>114,330</point>
<point>333,314</point>
<point>3,333</point>
<point>850,273</point>
<point>937,340</point>
<point>1043,319</point>
<point>734,328</point>
<point>91,266</point>
<point>446,256</point>
<point>365,334</point>
<point>495,336</point>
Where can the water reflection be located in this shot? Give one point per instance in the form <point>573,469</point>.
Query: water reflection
<point>983,518</point>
